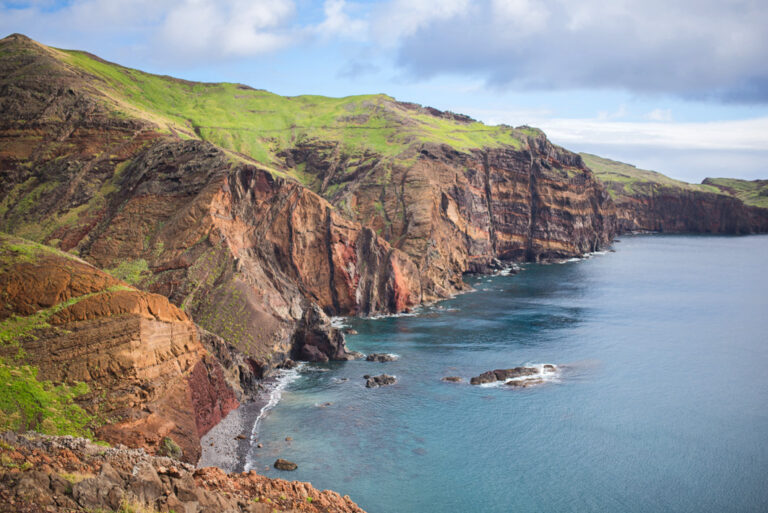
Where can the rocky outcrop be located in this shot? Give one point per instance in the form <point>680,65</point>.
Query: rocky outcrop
<point>42,473</point>
<point>379,381</point>
<point>518,376</point>
<point>148,373</point>
<point>281,464</point>
<point>381,357</point>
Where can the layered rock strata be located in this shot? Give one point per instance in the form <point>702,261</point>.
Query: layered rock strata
<point>148,373</point>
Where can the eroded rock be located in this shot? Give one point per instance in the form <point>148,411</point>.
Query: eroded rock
<point>379,381</point>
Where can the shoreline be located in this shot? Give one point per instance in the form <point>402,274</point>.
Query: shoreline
<point>228,443</point>
<point>221,446</point>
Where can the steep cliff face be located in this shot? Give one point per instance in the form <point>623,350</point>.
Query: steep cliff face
<point>649,201</point>
<point>148,373</point>
<point>453,212</point>
<point>241,249</point>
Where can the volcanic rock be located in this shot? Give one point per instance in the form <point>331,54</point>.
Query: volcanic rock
<point>380,380</point>
<point>380,357</point>
<point>282,464</point>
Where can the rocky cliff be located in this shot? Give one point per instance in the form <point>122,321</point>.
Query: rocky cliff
<point>649,201</point>
<point>262,236</point>
<point>148,374</point>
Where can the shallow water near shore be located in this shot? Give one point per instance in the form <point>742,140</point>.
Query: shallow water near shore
<point>660,404</point>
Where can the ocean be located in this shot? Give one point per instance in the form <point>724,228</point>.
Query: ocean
<point>660,402</point>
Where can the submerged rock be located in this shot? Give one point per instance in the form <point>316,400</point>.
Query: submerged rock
<point>379,381</point>
<point>380,357</point>
<point>523,383</point>
<point>452,379</point>
<point>281,464</point>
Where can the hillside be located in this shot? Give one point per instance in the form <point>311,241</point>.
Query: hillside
<point>650,201</point>
<point>130,366</point>
<point>751,192</point>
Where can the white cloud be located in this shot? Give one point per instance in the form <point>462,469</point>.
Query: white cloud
<point>691,48</point>
<point>659,115</point>
<point>748,134</point>
<point>338,23</point>
<point>619,113</point>
<point>229,27</point>
<point>401,18</point>
<point>520,16</point>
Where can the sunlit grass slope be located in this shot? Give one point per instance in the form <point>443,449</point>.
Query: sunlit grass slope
<point>260,124</point>
<point>625,179</point>
<point>751,192</point>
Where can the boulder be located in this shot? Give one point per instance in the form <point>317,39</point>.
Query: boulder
<point>452,379</point>
<point>380,357</point>
<point>282,464</point>
<point>380,380</point>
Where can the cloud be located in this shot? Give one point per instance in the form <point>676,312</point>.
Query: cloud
<point>338,23</point>
<point>702,49</point>
<point>659,115</point>
<point>227,27</point>
<point>397,19</point>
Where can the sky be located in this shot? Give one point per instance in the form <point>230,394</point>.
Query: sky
<point>677,86</point>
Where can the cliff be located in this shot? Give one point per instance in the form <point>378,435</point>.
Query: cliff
<point>147,374</point>
<point>649,201</point>
<point>42,473</point>
<point>258,214</point>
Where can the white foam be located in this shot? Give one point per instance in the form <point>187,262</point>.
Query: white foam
<point>546,375</point>
<point>285,377</point>
<point>339,322</point>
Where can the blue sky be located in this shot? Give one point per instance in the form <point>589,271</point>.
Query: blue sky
<point>679,86</point>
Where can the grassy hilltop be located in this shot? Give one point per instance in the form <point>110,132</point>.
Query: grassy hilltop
<point>260,124</point>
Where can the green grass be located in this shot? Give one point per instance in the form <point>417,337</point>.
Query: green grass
<point>260,124</point>
<point>625,179</point>
<point>15,328</point>
<point>29,404</point>
<point>131,271</point>
<point>751,192</point>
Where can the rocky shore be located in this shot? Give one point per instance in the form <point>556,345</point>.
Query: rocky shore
<point>41,473</point>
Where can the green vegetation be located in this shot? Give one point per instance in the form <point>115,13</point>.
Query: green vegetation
<point>260,124</point>
<point>131,271</point>
<point>754,192</point>
<point>625,179</point>
<point>29,404</point>
<point>170,448</point>
<point>15,328</point>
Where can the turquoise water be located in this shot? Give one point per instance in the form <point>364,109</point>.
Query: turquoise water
<point>662,404</point>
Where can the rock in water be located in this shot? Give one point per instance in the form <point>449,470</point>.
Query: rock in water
<point>282,464</point>
<point>380,357</point>
<point>380,381</point>
<point>524,383</point>
<point>520,376</point>
<point>452,379</point>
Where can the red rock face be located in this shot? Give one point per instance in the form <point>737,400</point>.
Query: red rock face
<point>453,212</point>
<point>140,355</point>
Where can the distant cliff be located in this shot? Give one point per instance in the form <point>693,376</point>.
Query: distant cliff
<point>650,201</point>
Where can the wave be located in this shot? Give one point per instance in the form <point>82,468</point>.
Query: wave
<point>546,373</point>
<point>284,378</point>
<point>339,322</point>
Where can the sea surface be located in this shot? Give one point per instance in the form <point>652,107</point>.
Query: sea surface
<point>661,403</point>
